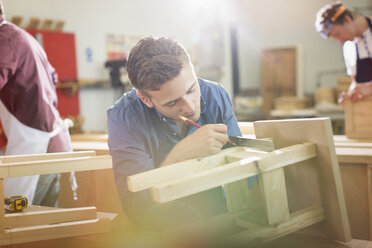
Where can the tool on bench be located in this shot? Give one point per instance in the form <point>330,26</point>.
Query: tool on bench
<point>15,203</point>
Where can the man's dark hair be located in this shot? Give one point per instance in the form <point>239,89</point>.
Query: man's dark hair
<point>328,11</point>
<point>154,61</point>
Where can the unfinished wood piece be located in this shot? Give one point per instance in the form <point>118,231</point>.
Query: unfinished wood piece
<point>355,185</point>
<point>292,103</point>
<point>256,234</point>
<point>100,148</point>
<point>150,178</point>
<point>274,195</point>
<point>57,231</point>
<point>37,215</point>
<point>2,209</point>
<point>358,119</point>
<point>47,156</point>
<point>239,197</point>
<point>17,20</point>
<point>54,166</point>
<point>93,137</point>
<point>302,180</point>
<point>33,23</point>
<point>47,25</point>
<point>221,175</point>
<point>59,26</point>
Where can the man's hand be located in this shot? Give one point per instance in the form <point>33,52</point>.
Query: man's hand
<point>359,91</point>
<point>207,140</point>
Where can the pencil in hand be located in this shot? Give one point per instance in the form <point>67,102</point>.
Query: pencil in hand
<point>198,126</point>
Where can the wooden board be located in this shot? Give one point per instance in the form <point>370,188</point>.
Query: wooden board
<point>358,119</point>
<point>37,215</point>
<point>56,231</point>
<point>51,166</point>
<point>303,179</point>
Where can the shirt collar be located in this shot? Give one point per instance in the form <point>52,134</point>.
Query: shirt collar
<point>2,19</point>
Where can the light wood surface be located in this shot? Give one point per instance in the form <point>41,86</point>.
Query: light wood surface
<point>51,166</point>
<point>358,118</point>
<point>37,215</point>
<point>304,191</point>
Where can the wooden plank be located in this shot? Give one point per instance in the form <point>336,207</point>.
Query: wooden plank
<point>55,166</point>
<point>355,186</point>
<point>100,148</point>
<point>239,197</point>
<point>354,144</point>
<point>150,178</point>
<point>56,231</point>
<point>90,137</point>
<point>343,138</point>
<point>258,234</point>
<point>354,155</point>
<point>246,127</point>
<point>358,118</point>
<point>47,156</point>
<point>274,195</point>
<point>302,180</point>
<point>35,215</point>
<point>2,209</point>
<point>218,176</point>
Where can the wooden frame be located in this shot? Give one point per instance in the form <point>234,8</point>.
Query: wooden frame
<point>289,198</point>
<point>43,223</point>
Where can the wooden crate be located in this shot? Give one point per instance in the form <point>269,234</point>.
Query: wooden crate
<point>292,103</point>
<point>358,119</point>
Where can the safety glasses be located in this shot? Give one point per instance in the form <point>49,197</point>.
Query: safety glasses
<point>325,28</point>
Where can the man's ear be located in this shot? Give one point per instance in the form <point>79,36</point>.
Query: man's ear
<point>145,99</point>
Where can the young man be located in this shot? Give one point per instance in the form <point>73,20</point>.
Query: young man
<point>337,22</point>
<point>145,131</point>
<point>28,111</point>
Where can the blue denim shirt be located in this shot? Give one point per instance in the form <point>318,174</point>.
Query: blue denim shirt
<point>140,137</point>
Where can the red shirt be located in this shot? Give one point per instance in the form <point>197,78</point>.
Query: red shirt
<point>27,79</point>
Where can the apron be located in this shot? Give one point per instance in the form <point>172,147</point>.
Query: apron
<point>22,140</point>
<point>364,66</point>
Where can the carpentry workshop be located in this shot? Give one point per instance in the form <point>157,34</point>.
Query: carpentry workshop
<point>185,124</point>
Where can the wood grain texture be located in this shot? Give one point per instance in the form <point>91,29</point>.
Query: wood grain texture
<point>250,165</point>
<point>358,118</point>
<point>36,215</point>
<point>315,181</point>
<point>51,166</point>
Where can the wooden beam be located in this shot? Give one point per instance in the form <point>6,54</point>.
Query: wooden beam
<point>150,178</point>
<point>247,167</point>
<point>256,234</point>
<point>274,195</point>
<point>36,215</point>
<point>47,156</point>
<point>55,166</point>
<point>57,231</point>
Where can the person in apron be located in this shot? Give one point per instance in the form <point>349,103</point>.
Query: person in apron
<point>355,32</point>
<point>28,113</point>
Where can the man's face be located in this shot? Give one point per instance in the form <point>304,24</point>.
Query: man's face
<point>343,32</point>
<point>178,96</point>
